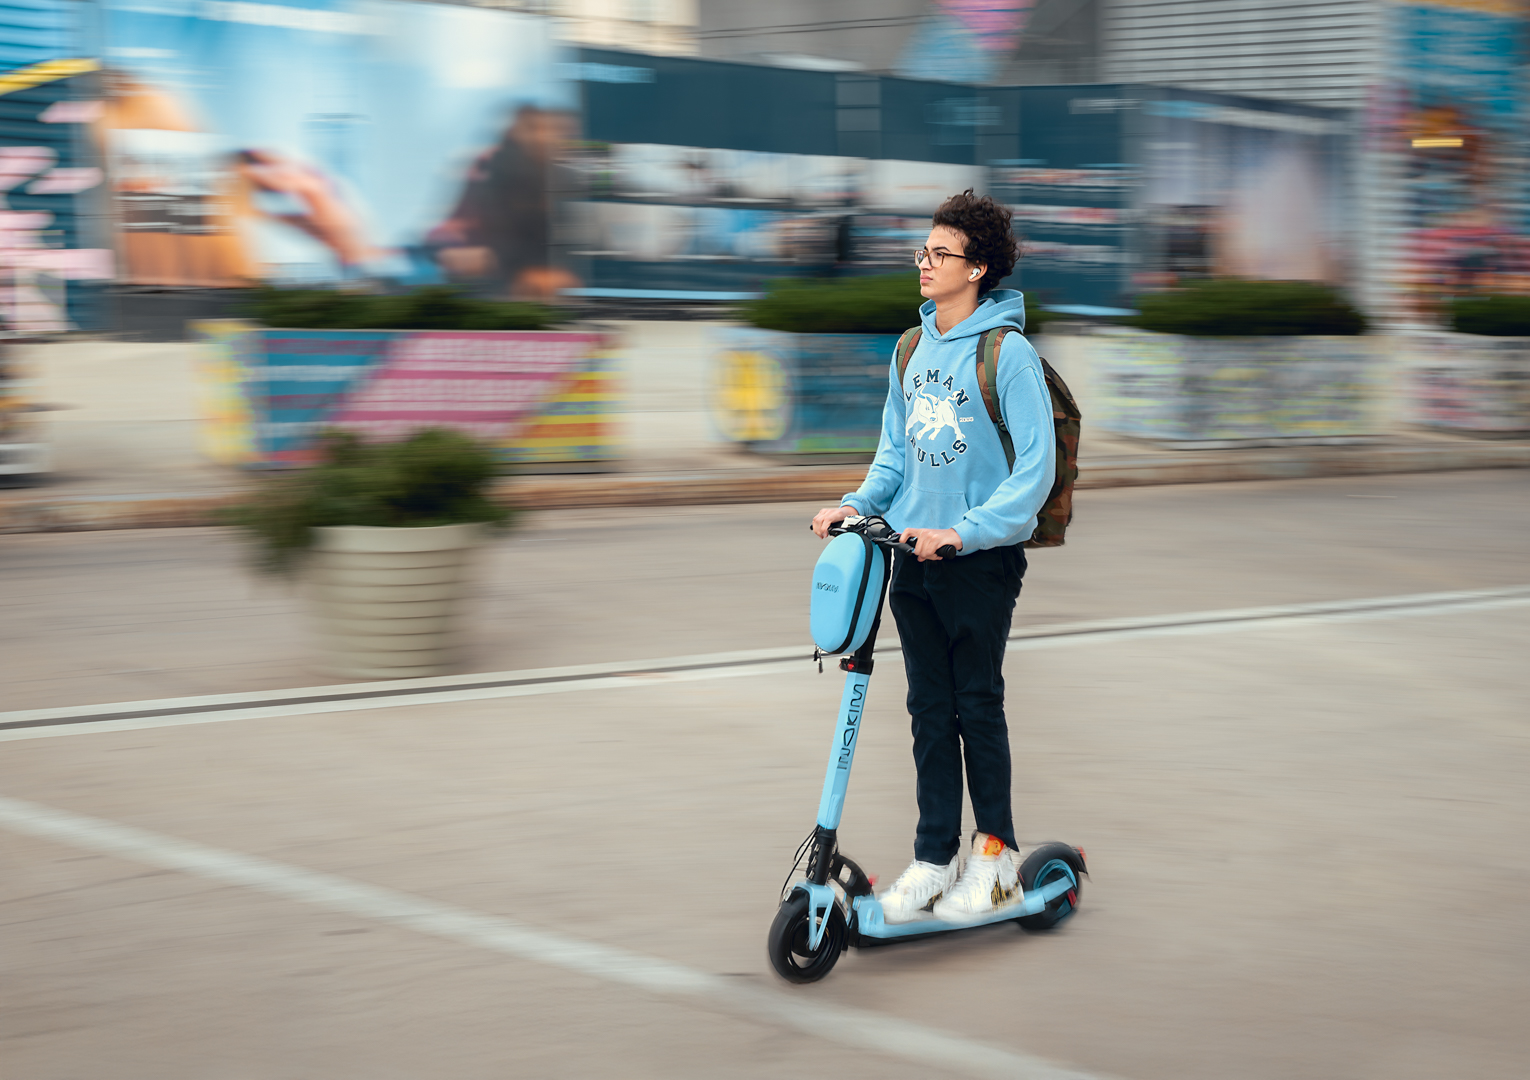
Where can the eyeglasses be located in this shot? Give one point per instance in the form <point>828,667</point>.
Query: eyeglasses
<point>937,257</point>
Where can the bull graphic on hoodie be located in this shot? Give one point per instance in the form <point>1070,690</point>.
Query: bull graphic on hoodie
<point>931,415</point>
<point>933,427</point>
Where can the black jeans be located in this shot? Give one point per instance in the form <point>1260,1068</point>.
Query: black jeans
<point>953,617</point>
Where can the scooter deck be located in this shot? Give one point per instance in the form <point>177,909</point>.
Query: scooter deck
<point>871,929</point>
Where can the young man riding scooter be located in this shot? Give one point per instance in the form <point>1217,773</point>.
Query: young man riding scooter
<point>940,477</point>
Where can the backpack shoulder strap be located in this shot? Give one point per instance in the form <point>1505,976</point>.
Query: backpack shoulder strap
<point>989,343</point>
<point>906,346</point>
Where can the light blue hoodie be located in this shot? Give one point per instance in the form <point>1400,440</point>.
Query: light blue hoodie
<point>939,463</point>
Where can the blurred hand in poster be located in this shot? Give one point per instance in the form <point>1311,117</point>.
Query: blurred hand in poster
<point>301,196</point>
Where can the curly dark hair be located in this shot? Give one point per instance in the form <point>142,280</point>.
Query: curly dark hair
<point>986,225</point>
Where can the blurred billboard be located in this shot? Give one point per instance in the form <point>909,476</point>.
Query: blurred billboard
<point>1234,188</point>
<point>331,141</point>
<point>55,252</point>
<point>36,31</point>
<point>973,37</point>
<point>1451,115</point>
<point>702,179</point>
<point>380,141</point>
<point>1065,166</point>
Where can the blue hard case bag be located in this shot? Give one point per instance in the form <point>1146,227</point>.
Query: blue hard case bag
<point>847,590</point>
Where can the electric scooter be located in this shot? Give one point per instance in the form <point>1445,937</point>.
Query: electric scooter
<point>833,907</point>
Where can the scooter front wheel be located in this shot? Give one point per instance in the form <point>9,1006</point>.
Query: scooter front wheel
<point>788,941</point>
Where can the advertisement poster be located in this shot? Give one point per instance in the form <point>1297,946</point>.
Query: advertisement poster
<point>969,36</point>
<point>1076,225</point>
<point>332,141</point>
<point>696,220</point>
<point>1072,195</point>
<point>1454,116</point>
<point>1234,190</point>
<point>54,256</point>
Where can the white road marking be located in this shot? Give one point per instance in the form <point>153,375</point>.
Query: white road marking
<point>853,1028</point>
<point>352,697</point>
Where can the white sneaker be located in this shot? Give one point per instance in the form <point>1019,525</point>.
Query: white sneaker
<point>917,888</point>
<point>990,883</point>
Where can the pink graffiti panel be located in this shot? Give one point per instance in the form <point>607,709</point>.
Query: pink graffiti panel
<point>486,384</point>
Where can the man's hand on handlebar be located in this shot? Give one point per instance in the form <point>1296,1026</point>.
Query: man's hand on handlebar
<point>830,515</point>
<point>927,542</point>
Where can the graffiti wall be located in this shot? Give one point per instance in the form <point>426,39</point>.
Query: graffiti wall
<point>537,397</point>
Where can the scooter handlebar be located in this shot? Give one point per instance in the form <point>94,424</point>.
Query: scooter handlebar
<point>880,535</point>
<point>883,535</point>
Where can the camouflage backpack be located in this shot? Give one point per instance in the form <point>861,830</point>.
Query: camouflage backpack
<point>1057,511</point>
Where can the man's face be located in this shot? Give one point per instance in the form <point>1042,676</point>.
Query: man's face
<point>944,274</point>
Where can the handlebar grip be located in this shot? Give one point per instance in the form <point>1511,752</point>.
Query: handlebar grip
<point>946,551</point>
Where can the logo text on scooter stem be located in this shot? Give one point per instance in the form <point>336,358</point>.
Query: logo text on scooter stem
<point>932,410</point>
<point>852,725</point>
<point>825,586</point>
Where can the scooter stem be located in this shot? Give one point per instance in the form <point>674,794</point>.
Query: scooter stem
<point>857,668</point>
<point>836,777</point>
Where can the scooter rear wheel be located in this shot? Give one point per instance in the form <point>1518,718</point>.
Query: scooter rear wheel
<point>788,941</point>
<point>1043,866</point>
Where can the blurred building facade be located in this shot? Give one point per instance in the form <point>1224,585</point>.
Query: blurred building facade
<point>1318,52</point>
<point>665,27</point>
<point>1008,42</point>
<point>32,31</point>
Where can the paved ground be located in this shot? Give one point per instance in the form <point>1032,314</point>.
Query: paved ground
<point>97,617</point>
<point>1306,836</point>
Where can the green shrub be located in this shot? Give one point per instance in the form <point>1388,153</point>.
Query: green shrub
<point>434,477</point>
<point>436,307</point>
<point>1036,319</point>
<point>1491,316</point>
<point>1235,308</point>
<point>883,304</point>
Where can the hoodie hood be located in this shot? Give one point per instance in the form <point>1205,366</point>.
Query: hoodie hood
<point>1001,307</point>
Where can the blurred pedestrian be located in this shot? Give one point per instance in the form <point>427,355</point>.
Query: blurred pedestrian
<point>500,231</point>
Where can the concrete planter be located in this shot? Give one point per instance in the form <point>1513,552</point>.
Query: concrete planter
<point>387,602</point>
<point>1220,391</point>
<point>1468,384</point>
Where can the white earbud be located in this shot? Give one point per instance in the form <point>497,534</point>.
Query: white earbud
<point>974,275</point>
